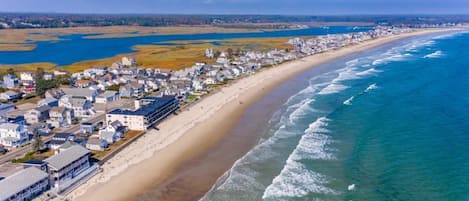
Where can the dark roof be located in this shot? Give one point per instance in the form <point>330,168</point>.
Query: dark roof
<point>155,103</point>
<point>34,162</point>
<point>62,135</point>
<point>116,124</point>
<point>57,142</point>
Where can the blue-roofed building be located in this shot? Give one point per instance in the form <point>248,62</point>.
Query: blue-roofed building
<point>5,108</point>
<point>148,111</point>
<point>87,128</point>
<point>51,102</point>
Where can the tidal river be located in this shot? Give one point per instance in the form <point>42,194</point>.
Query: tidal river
<point>76,48</point>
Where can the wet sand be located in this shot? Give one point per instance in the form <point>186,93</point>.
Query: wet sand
<point>184,158</point>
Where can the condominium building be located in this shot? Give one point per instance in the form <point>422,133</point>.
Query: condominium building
<point>148,111</point>
<point>67,165</point>
<point>24,185</point>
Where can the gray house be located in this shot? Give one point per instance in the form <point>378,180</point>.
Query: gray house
<point>24,185</point>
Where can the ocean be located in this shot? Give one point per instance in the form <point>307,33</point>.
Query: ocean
<point>76,48</point>
<point>390,123</point>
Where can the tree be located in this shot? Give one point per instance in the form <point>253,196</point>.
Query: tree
<point>113,87</point>
<point>230,52</point>
<point>63,80</point>
<point>37,144</point>
<point>238,51</point>
<point>11,71</point>
<point>43,85</point>
<point>40,74</point>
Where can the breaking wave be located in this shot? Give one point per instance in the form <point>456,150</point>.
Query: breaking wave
<point>371,87</point>
<point>295,179</point>
<point>349,101</point>
<point>436,54</point>
<point>371,71</point>
<point>333,88</point>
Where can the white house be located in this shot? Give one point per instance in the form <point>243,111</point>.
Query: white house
<point>13,135</point>
<point>96,144</point>
<point>107,97</point>
<point>113,132</point>
<point>89,94</point>
<point>198,85</point>
<point>128,61</point>
<point>81,106</point>
<point>28,76</point>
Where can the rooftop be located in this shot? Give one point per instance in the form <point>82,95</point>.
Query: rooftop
<point>79,92</point>
<point>67,157</point>
<point>154,103</point>
<point>9,126</point>
<point>19,181</point>
<point>6,106</point>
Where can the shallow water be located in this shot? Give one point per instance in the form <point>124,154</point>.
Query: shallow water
<point>386,124</point>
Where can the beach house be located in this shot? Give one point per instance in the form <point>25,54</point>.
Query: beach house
<point>88,94</point>
<point>13,135</point>
<point>4,109</point>
<point>60,117</point>
<point>112,132</point>
<point>67,165</point>
<point>54,93</point>
<point>128,61</point>
<point>81,106</point>
<point>96,144</point>
<point>108,97</point>
<point>52,102</point>
<point>26,184</point>
<point>26,76</point>
<point>87,127</point>
<point>126,91</point>
<point>59,139</point>
<point>10,81</point>
<point>36,115</point>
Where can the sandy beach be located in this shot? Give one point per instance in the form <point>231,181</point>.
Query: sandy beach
<point>157,156</point>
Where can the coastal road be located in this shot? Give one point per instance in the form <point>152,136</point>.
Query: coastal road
<point>20,152</point>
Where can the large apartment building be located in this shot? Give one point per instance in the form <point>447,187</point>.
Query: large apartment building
<point>148,111</point>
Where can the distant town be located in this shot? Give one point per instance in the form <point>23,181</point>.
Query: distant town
<point>57,128</point>
<point>57,20</point>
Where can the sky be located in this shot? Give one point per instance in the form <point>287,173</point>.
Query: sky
<point>286,7</point>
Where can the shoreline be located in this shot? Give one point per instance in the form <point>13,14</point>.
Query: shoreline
<point>156,157</point>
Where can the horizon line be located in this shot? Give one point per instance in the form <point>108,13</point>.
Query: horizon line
<point>237,14</point>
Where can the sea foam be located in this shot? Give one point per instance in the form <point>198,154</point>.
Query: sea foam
<point>436,54</point>
<point>391,58</point>
<point>349,101</point>
<point>371,87</point>
<point>333,88</point>
<point>295,179</point>
<point>371,71</point>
